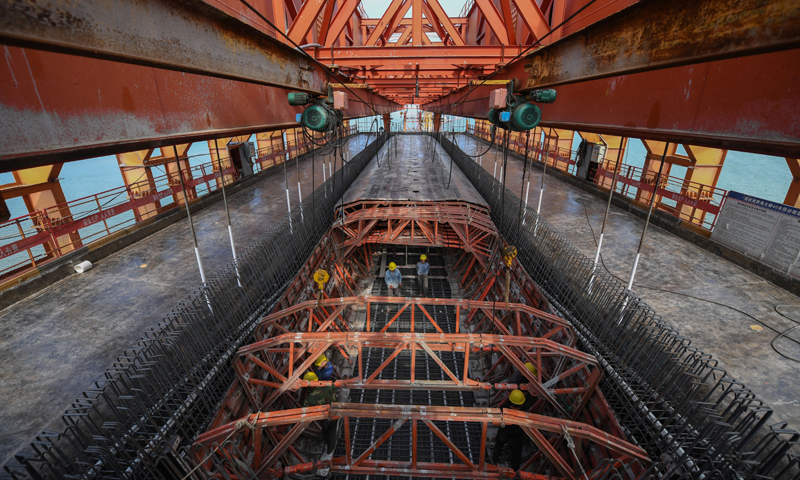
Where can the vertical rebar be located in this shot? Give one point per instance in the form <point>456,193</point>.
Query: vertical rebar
<point>189,214</point>
<point>649,213</point>
<point>541,187</point>
<point>228,213</point>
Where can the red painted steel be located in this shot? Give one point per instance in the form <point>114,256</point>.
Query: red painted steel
<point>233,433</point>
<point>31,240</point>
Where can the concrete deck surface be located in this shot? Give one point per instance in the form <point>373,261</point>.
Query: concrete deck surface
<point>409,172</point>
<point>729,301</point>
<point>54,344</point>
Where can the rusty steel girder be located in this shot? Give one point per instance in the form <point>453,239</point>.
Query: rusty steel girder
<point>650,72</point>
<point>653,35</point>
<point>250,446</point>
<point>454,56</point>
<point>210,41</point>
<point>85,80</point>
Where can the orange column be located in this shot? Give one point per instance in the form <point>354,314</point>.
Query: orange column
<point>138,180</point>
<point>793,194</point>
<point>50,199</point>
<point>700,181</point>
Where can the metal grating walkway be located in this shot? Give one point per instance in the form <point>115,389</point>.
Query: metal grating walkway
<point>364,432</point>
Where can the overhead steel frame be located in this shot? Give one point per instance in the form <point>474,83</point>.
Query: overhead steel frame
<point>252,452</point>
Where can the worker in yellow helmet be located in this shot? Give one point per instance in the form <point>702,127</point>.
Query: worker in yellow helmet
<point>316,396</point>
<point>518,377</point>
<point>511,435</point>
<point>393,279</point>
<point>423,267</point>
<point>323,368</point>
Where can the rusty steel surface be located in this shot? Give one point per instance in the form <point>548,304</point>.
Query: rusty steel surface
<point>657,34</point>
<point>85,80</point>
<point>188,36</point>
<point>727,104</point>
<point>59,107</point>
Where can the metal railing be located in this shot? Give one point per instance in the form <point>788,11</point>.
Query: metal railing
<point>672,399</point>
<point>690,201</point>
<point>30,241</point>
<point>162,392</point>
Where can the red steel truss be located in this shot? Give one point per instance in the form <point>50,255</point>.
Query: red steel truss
<point>500,322</point>
<point>271,367</point>
<point>428,224</point>
<point>269,436</point>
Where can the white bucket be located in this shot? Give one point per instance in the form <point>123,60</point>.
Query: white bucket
<point>83,266</point>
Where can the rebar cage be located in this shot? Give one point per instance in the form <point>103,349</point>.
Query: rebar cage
<point>671,398</point>
<point>163,391</point>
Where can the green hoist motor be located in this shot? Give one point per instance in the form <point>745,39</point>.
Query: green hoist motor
<point>525,116</point>
<point>520,115</point>
<point>316,116</point>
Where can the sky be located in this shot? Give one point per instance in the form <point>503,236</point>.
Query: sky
<point>375,8</point>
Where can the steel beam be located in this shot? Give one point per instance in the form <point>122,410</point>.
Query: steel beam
<point>659,34</point>
<point>224,78</point>
<point>453,56</point>
<point>725,104</point>
<point>188,36</point>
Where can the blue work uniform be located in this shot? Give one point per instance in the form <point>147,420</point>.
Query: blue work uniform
<point>393,280</point>
<point>422,277</point>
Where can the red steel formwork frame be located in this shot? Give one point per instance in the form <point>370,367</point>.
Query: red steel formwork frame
<point>504,323</point>
<point>269,435</point>
<point>269,368</point>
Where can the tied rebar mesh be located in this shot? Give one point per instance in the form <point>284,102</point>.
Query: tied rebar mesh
<point>365,431</point>
<point>162,392</point>
<point>673,400</point>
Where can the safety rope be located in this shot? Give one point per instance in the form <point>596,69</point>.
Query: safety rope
<point>241,423</point>
<point>571,446</point>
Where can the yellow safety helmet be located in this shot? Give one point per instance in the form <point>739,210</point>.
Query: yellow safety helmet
<point>531,367</point>
<point>517,397</point>
<point>311,377</point>
<point>423,257</point>
<point>320,360</point>
<point>392,266</point>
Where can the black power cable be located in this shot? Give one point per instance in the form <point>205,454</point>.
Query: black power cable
<point>673,292</point>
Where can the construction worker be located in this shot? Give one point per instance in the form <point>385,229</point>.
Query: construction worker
<point>517,377</point>
<point>393,278</point>
<point>513,435</point>
<point>316,396</point>
<point>323,369</point>
<point>423,267</point>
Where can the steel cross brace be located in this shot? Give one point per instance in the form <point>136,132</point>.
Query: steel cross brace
<point>532,424</point>
<point>270,383</point>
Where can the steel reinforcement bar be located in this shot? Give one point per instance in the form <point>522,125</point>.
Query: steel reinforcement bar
<point>161,393</point>
<point>672,399</point>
